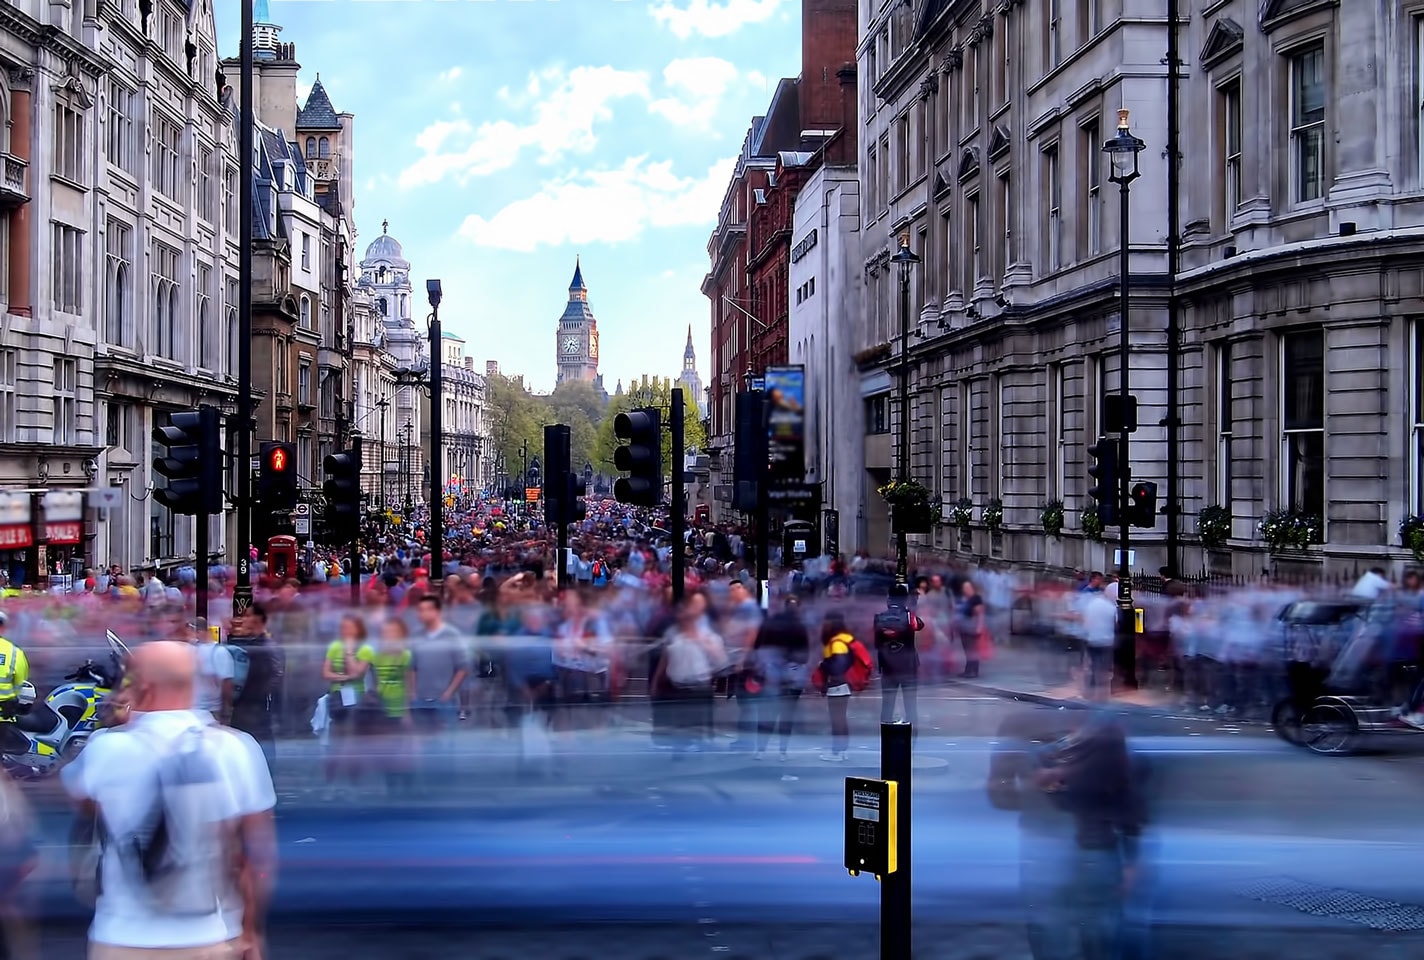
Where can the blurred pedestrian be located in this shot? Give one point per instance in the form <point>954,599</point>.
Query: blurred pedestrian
<point>18,859</point>
<point>971,628</point>
<point>894,630</point>
<point>836,663</point>
<point>778,666</point>
<point>693,655</point>
<point>344,668</point>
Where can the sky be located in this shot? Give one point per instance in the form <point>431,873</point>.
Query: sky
<point>503,138</point>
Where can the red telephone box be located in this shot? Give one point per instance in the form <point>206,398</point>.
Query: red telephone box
<point>281,558</point>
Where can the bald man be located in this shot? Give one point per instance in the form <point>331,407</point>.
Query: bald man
<point>117,782</point>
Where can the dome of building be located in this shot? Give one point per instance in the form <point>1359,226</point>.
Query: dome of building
<point>386,247</point>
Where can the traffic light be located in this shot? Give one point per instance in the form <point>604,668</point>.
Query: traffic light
<point>641,457</point>
<point>277,475</point>
<point>192,463</point>
<point>572,507</point>
<point>343,490</point>
<point>556,461</point>
<point>1105,472</point>
<point>1143,505</point>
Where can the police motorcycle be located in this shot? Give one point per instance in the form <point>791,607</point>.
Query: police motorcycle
<point>37,737</point>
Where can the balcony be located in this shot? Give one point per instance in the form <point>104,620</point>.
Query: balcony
<point>14,184</point>
<point>324,168</point>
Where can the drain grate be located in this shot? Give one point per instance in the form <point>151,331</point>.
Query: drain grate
<point>1322,901</point>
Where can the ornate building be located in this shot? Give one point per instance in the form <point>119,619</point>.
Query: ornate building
<point>400,357</point>
<point>465,467</point>
<point>576,340</point>
<point>690,378</point>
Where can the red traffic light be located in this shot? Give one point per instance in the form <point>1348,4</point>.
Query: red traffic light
<point>277,459</point>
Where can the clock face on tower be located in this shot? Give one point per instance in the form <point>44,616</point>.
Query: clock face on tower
<point>571,345</point>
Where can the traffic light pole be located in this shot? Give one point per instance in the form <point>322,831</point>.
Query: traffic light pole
<point>1126,647</point>
<point>677,516</point>
<point>356,536</point>
<point>203,538</point>
<point>437,445</point>
<point>242,590</point>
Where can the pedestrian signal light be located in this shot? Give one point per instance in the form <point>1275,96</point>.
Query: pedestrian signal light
<point>277,478</point>
<point>1144,504</point>
<point>343,489</point>
<point>872,828</point>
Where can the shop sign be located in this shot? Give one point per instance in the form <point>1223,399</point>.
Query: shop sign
<point>15,530</point>
<point>63,516</point>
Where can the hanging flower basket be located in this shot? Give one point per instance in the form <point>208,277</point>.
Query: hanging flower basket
<point>911,508</point>
<point>1052,518</point>
<point>1289,530</point>
<point>962,513</point>
<point>1092,524</point>
<point>1411,535</point>
<point>994,514</point>
<point>1214,526</point>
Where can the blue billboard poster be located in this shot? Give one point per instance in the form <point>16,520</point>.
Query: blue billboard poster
<point>786,423</point>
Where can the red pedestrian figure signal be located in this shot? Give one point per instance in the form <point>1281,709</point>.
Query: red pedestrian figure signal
<point>279,460</point>
<point>276,483</point>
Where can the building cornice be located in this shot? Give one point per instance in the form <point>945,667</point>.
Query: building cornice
<point>53,39</point>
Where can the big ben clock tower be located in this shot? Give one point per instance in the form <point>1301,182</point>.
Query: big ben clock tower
<point>576,342</point>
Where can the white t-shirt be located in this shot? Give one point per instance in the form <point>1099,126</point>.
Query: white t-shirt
<point>109,771</point>
<point>215,665</point>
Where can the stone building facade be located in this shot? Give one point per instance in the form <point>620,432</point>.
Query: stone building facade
<point>465,429</point>
<point>1283,345</point>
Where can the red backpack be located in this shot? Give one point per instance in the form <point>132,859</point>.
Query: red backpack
<point>861,670</point>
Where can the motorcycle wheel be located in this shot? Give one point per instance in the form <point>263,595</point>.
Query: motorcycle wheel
<point>1330,730</point>
<point>1286,721</point>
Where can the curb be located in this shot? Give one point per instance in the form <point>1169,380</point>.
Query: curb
<point>1075,703</point>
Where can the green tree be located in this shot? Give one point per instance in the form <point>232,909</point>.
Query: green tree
<point>583,408</point>
<point>516,416</point>
<point>660,397</point>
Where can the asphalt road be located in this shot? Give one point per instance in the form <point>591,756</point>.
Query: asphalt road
<point>1256,849</point>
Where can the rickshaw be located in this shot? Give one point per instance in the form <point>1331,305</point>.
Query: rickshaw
<point>1340,697</point>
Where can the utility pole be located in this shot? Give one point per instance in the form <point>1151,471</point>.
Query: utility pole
<point>242,590</point>
<point>677,516</point>
<point>383,403</point>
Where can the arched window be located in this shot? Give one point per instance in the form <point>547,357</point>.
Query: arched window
<point>404,305</point>
<point>311,146</point>
<point>117,307</point>
<point>306,313</point>
<point>381,305</point>
<point>324,150</point>
<point>174,339</point>
<point>206,346</point>
<point>230,361</point>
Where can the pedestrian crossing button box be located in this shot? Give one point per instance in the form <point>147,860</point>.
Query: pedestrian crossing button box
<point>871,826</point>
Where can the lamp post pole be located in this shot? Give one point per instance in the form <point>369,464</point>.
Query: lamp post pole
<point>904,258</point>
<point>437,446</point>
<point>406,451</point>
<point>242,589</point>
<point>383,403</point>
<point>1123,151</point>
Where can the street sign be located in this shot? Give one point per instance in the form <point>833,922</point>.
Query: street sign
<point>871,826</point>
<point>302,510</point>
<point>303,526</point>
<point>105,498</point>
<point>531,494</point>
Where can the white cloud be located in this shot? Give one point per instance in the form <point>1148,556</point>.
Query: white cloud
<point>451,75</point>
<point>711,18</point>
<point>604,206</point>
<point>561,123</point>
<point>697,86</point>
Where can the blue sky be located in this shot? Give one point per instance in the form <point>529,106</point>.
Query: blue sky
<point>501,138</point>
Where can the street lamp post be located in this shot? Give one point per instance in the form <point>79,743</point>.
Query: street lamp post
<point>247,123</point>
<point>383,403</point>
<point>406,458</point>
<point>1123,152</point>
<point>905,259</point>
<point>437,445</point>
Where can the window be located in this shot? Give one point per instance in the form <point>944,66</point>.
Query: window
<point>1092,229</point>
<point>122,151</point>
<point>1053,35</point>
<point>306,251</point>
<point>166,337</point>
<point>68,142</point>
<point>1419,93</point>
<point>1058,442</point>
<point>230,323</point>
<point>207,353</point>
<point>306,320</point>
<point>1090,19</point>
<point>1001,61</point>
<point>1224,423</point>
<point>974,242</point>
<point>279,368</point>
<point>324,148</point>
<point>922,138</point>
<point>66,383</point>
<point>1053,203</point>
<point>971,90</point>
<point>1417,440</point>
<point>167,147</point>
<point>877,414</point>
<point>883,183</point>
<point>872,172</point>
<point>950,266</point>
<point>67,268</point>
<point>1303,421</point>
<point>304,384</point>
<point>118,295</point>
<point>207,201</point>
<point>1307,119</point>
<point>113,425</point>
<point>326,394</point>
<point>1229,103</point>
<point>311,148</point>
<point>1005,215</point>
<point>9,382</point>
<point>230,199</point>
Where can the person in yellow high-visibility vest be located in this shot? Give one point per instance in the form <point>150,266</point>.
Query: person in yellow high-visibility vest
<point>14,670</point>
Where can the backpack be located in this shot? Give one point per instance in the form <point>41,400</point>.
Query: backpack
<point>861,669</point>
<point>178,854</point>
<point>599,573</point>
